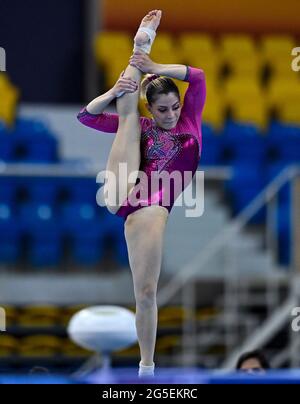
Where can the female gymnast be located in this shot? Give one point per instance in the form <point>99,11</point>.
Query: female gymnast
<point>170,141</point>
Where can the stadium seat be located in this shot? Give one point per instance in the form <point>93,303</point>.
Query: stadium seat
<point>212,150</point>
<point>40,223</point>
<point>82,190</point>
<point>39,346</point>
<point>243,143</point>
<point>284,231</point>
<point>43,190</point>
<point>240,54</point>
<point>282,91</point>
<point>105,42</point>
<point>8,346</point>
<point>39,316</point>
<point>164,49</point>
<point>9,96</point>
<point>289,113</point>
<point>276,47</point>
<point>10,235</point>
<point>284,140</point>
<point>193,44</point>
<point>251,111</point>
<point>35,143</point>
<point>241,90</point>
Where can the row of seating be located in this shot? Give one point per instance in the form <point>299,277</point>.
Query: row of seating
<point>39,346</point>
<point>243,91</point>
<point>39,316</point>
<point>37,335</point>
<point>28,141</point>
<point>247,101</point>
<point>239,143</point>
<point>49,346</point>
<point>243,52</point>
<point>43,239</point>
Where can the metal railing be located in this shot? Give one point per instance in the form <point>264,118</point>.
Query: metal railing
<point>266,197</point>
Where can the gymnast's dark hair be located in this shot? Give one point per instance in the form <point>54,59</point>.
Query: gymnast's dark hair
<point>153,86</point>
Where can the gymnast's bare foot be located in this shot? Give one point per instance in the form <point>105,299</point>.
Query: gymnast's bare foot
<point>143,40</point>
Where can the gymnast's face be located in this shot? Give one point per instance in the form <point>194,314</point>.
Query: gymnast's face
<point>166,110</point>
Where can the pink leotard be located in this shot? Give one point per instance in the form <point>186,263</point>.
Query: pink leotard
<point>178,149</point>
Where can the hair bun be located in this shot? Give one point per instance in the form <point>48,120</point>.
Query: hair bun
<point>153,77</point>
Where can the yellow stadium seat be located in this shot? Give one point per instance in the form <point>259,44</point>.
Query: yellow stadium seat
<point>290,113</point>
<point>39,316</point>
<point>133,350</point>
<point>211,65</point>
<point>238,90</point>
<point>4,81</point>
<point>168,344</point>
<point>237,43</point>
<point>164,50</point>
<point>9,97</point>
<point>172,316</point>
<point>281,68</point>
<point>251,111</point>
<point>68,348</point>
<point>214,112</point>
<point>182,87</point>
<point>113,72</point>
<point>237,47</point>
<point>249,68</point>
<point>109,45</point>
<point>205,314</point>
<point>214,108</point>
<point>67,313</point>
<point>40,345</point>
<point>8,345</point>
<point>194,45</point>
<point>11,315</point>
<point>143,109</point>
<point>276,47</point>
<point>283,90</point>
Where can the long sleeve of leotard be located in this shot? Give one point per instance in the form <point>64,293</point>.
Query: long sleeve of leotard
<point>105,122</point>
<point>195,96</point>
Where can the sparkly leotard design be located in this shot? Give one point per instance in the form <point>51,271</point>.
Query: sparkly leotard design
<point>178,149</point>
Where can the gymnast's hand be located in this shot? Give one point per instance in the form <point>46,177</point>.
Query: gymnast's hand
<point>124,85</point>
<point>142,61</point>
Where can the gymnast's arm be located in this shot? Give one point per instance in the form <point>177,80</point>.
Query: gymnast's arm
<point>94,117</point>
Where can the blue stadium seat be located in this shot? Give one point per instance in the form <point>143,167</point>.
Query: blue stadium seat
<point>7,149</point>
<point>247,182</point>
<point>43,190</point>
<point>10,235</point>
<point>212,147</point>
<point>45,251</point>
<point>83,190</point>
<point>35,142</point>
<point>41,225</point>
<point>115,236</point>
<point>243,143</point>
<point>284,226</point>
<point>8,190</point>
<point>284,142</point>
<point>84,224</point>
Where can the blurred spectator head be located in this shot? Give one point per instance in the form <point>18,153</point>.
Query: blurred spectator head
<point>39,371</point>
<point>253,362</point>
